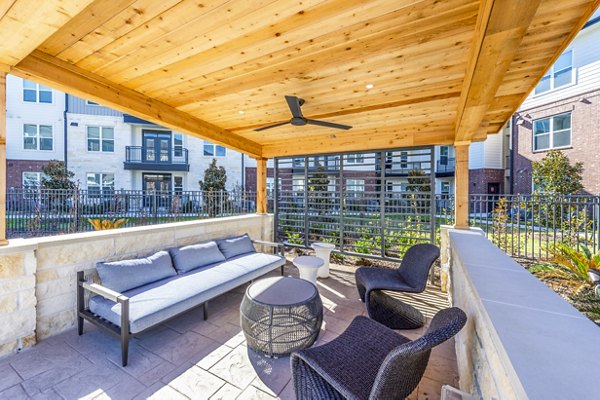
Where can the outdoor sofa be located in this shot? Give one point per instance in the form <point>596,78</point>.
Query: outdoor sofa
<point>136,295</point>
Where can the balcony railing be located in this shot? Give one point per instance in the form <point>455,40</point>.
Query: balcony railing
<point>445,166</point>
<point>152,159</point>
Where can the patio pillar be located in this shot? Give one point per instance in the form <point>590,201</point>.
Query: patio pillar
<point>261,185</point>
<point>3,240</point>
<point>461,189</point>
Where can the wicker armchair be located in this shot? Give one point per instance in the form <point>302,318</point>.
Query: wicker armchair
<point>370,361</point>
<point>411,276</point>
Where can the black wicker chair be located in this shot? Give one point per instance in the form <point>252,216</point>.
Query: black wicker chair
<point>411,277</point>
<point>370,361</point>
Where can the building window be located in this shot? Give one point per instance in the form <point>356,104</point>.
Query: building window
<point>38,137</point>
<point>35,93</point>
<point>404,159</point>
<point>355,158</point>
<point>270,185</point>
<point>355,187</point>
<point>32,180</point>
<point>298,185</point>
<point>100,184</point>
<point>100,138</point>
<point>559,75</point>
<point>178,145</point>
<point>214,150</point>
<point>552,133</point>
<point>298,162</point>
<point>178,185</point>
<point>445,187</point>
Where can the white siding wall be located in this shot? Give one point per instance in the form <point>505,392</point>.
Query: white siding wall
<point>19,112</point>
<point>476,155</point>
<point>586,63</point>
<point>492,151</point>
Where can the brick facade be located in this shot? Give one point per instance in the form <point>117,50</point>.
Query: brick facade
<point>585,140</point>
<point>15,169</point>
<point>480,180</point>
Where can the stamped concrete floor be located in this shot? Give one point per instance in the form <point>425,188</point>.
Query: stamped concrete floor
<point>192,358</point>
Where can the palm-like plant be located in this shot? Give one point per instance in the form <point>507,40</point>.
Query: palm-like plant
<point>104,224</point>
<point>569,263</point>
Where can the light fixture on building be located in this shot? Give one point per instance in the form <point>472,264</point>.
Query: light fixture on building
<point>584,101</point>
<point>74,123</point>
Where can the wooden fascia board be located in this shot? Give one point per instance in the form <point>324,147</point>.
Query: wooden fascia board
<point>50,71</point>
<point>498,34</point>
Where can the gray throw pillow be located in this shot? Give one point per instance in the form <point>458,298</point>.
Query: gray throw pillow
<point>187,258</point>
<point>236,246</point>
<point>129,274</point>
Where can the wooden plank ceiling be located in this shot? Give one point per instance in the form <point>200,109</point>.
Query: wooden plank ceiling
<point>443,72</point>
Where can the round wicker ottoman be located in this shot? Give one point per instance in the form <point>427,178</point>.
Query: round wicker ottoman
<point>393,313</point>
<point>280,315</point>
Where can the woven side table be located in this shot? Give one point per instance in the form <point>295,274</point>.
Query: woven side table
<point>280,315</point>
<point>393,313</point>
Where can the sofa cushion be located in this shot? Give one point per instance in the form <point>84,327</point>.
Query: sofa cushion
<point>235,246</point>
<point>158,301</point>
<point>129,274</point>
<point>187,258</point>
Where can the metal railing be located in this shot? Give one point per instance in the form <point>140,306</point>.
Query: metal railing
<point>445,166</point>
<point>527,226</point>
<point>177,156</point>
<point>43,212</point>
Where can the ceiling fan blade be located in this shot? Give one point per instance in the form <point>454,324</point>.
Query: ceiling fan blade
<point>328,124</point>
<point>271,126</point>
<point>294,105</point>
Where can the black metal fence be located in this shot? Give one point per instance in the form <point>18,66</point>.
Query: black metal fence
<point>526,226</point>
<point>369,204</point>
<point>42,212</point>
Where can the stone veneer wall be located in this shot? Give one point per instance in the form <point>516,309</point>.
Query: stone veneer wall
<point>521,340</point>
<point>37,276</point>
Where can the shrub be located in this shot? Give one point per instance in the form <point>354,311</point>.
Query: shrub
<point>104,224</point>
<point>568,263</point>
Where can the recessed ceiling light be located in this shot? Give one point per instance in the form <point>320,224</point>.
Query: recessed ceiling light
<point>241,112</point>
<point>369,86</point>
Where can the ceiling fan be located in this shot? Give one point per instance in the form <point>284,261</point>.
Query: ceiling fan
<point>294,103</point>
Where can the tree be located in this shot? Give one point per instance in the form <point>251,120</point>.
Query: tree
<point>318,186</point>
<point>418,181</point>
<point>213,188</point>
<point>554,174</point>
<point>57,176</point>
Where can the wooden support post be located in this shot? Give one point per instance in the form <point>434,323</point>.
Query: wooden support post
<point>261,185</point>
<point>461,190</point>
<point>3,240</point>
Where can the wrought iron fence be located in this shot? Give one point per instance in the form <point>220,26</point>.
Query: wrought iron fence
<point>42,212</point>
<point>527,226</point>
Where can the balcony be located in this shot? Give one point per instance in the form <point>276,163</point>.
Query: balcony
<point>445,167</point>
<point>152,159</point>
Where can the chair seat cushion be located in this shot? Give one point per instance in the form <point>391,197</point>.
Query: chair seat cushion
<point>344,363</point>
<point>188,258</point>
<point>125,275</point>
<point>158,301</point>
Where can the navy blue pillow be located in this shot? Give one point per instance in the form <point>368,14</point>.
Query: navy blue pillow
<point>129,274</point>
<point>187,258</point>
<point>236,246</point>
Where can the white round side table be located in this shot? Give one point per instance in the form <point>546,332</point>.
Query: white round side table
<point>323,251</point>
<point>308,267</point>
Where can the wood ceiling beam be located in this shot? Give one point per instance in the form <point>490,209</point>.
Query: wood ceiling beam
<point>359,141</point>
<point>501,26</point>
<point>50,71</point>
<point>25,24</point>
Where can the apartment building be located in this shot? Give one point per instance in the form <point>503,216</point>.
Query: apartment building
<point>563,113</point>
<point>106,149</point>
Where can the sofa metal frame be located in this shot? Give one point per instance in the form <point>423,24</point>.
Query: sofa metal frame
<point>83,312</point>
